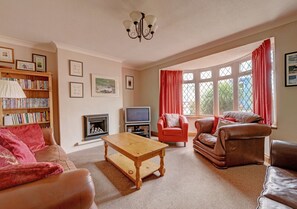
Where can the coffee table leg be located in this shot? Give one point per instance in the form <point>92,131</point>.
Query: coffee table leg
<point>105,151</point>
<point>162,168</point>
<point>138,182</point>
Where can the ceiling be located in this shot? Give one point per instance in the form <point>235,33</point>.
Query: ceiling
<point>96,25</point>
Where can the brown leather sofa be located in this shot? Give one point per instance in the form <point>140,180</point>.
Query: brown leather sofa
<point>280,186</point>
<point>237,144</point>
<point>73,189</point>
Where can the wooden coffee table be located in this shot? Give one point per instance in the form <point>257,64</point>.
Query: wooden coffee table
<point>134,152</point>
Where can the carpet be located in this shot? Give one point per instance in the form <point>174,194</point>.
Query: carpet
<point>190,182</point>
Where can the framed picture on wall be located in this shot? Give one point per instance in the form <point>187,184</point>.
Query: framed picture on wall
<point>6,54</point>
<point>129,82</point>
<point>291,69</point>
<point>104,86</point>
<point>25,65</point>
<point>76,90</point>
<point>75,68</point>
<point>40,62</point>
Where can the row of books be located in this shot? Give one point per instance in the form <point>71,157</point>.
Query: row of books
<point>31,84</point>
<point>25,118</point>
<point>8,103</point>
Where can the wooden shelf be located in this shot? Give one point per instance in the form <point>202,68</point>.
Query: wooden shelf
<point>127,166</point>
<point>30,93</point>
<point>46,122</point>
<point>46,90</point>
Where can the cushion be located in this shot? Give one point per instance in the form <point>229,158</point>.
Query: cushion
<point>31,135</point>
<point>14,175</point>
<point>172,120</point>
<point>18,148</point>
<point>207,139</point>
<point>243,117</point>
<point>215,123</point>
<point>7,158</point>
<point>223,122</point>
<point>172,132</point>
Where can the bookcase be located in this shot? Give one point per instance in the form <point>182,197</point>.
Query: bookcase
<point>37,107</point>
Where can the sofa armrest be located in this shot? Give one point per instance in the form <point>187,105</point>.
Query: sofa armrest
<point>72,189</point>
<point>48,136</point>
<point>244,131</point>
<point>183,122</point>
<point>204,125</point>
<point>283,154</point>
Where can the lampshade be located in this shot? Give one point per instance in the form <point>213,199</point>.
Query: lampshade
<point>150,20</point>
<point>127,24</point>
<point>135,16</point>
<point>11,89</point>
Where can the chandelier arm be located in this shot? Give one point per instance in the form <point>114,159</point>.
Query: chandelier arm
<point>131,36</point>
<point>148,38</point>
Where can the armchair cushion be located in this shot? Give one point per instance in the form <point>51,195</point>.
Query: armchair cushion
<point>18,148</point>
<point>172,131</point>
<point>14,175</point>
<point>172,120</point>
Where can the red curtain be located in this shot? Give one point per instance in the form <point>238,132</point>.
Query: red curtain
<point>262,93</point>
<point>170,100</point>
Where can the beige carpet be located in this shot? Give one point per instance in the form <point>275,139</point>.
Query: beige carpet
<point>190,181</point>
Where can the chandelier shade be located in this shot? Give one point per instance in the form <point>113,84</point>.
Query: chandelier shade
<point>144,26</point>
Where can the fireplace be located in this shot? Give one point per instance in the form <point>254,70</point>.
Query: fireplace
<point>95,126</point>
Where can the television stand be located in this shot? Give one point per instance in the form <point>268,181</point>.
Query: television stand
<point>141,129</point>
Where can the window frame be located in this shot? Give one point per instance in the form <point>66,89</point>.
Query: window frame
<point>215,70</point>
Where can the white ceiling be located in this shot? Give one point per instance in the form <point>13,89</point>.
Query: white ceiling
<point>96,25</point>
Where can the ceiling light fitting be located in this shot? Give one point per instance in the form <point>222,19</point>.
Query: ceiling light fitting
<point>139,30</point>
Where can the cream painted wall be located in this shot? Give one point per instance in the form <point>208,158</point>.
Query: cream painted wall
<point>73,109</point>
<point>131,97</point>
<point>285,42</point>
<point>25,53</point>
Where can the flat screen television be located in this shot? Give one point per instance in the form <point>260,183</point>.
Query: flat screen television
<point>137,115</point>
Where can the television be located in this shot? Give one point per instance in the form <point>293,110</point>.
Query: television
<point>137,115</point>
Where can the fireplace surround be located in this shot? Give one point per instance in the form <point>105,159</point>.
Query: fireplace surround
<point>95,126</point>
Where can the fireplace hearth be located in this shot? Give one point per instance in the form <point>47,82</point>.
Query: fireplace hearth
<point>95,126</point>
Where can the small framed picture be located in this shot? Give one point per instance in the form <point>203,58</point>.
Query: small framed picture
<point>291,69</point>
<point>25,65</point>
<point>129,82</point>
<point>6,54</point>
<point>40,62</point>
<point>75,68</point>
<point>76,89</point>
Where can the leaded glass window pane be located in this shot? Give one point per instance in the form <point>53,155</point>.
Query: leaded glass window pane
<point>188,76</point>
<point>205,75</point>
<point>225,71</point>
<point>245,66</point>
<point>206,98</point>
<point>189,105</point>
<point>245,93</point>
<point>225,95</point>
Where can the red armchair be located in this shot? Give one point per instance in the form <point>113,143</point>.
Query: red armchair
<point>173,134</point>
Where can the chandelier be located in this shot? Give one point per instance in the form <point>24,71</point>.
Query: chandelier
<point>139,31</point>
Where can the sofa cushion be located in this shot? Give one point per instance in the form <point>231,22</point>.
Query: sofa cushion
<point>7,158</point>
<point>172,132</point>
<point>31,135</point>
<point>215,123</point>
<point>243,117</point>
<point>207,139</point>
<point>266,203</point>
<point>281,186</point>
<point>14,175</point>
<point>18,148</point>
<point>221,123</point>
<point>172,120</point>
